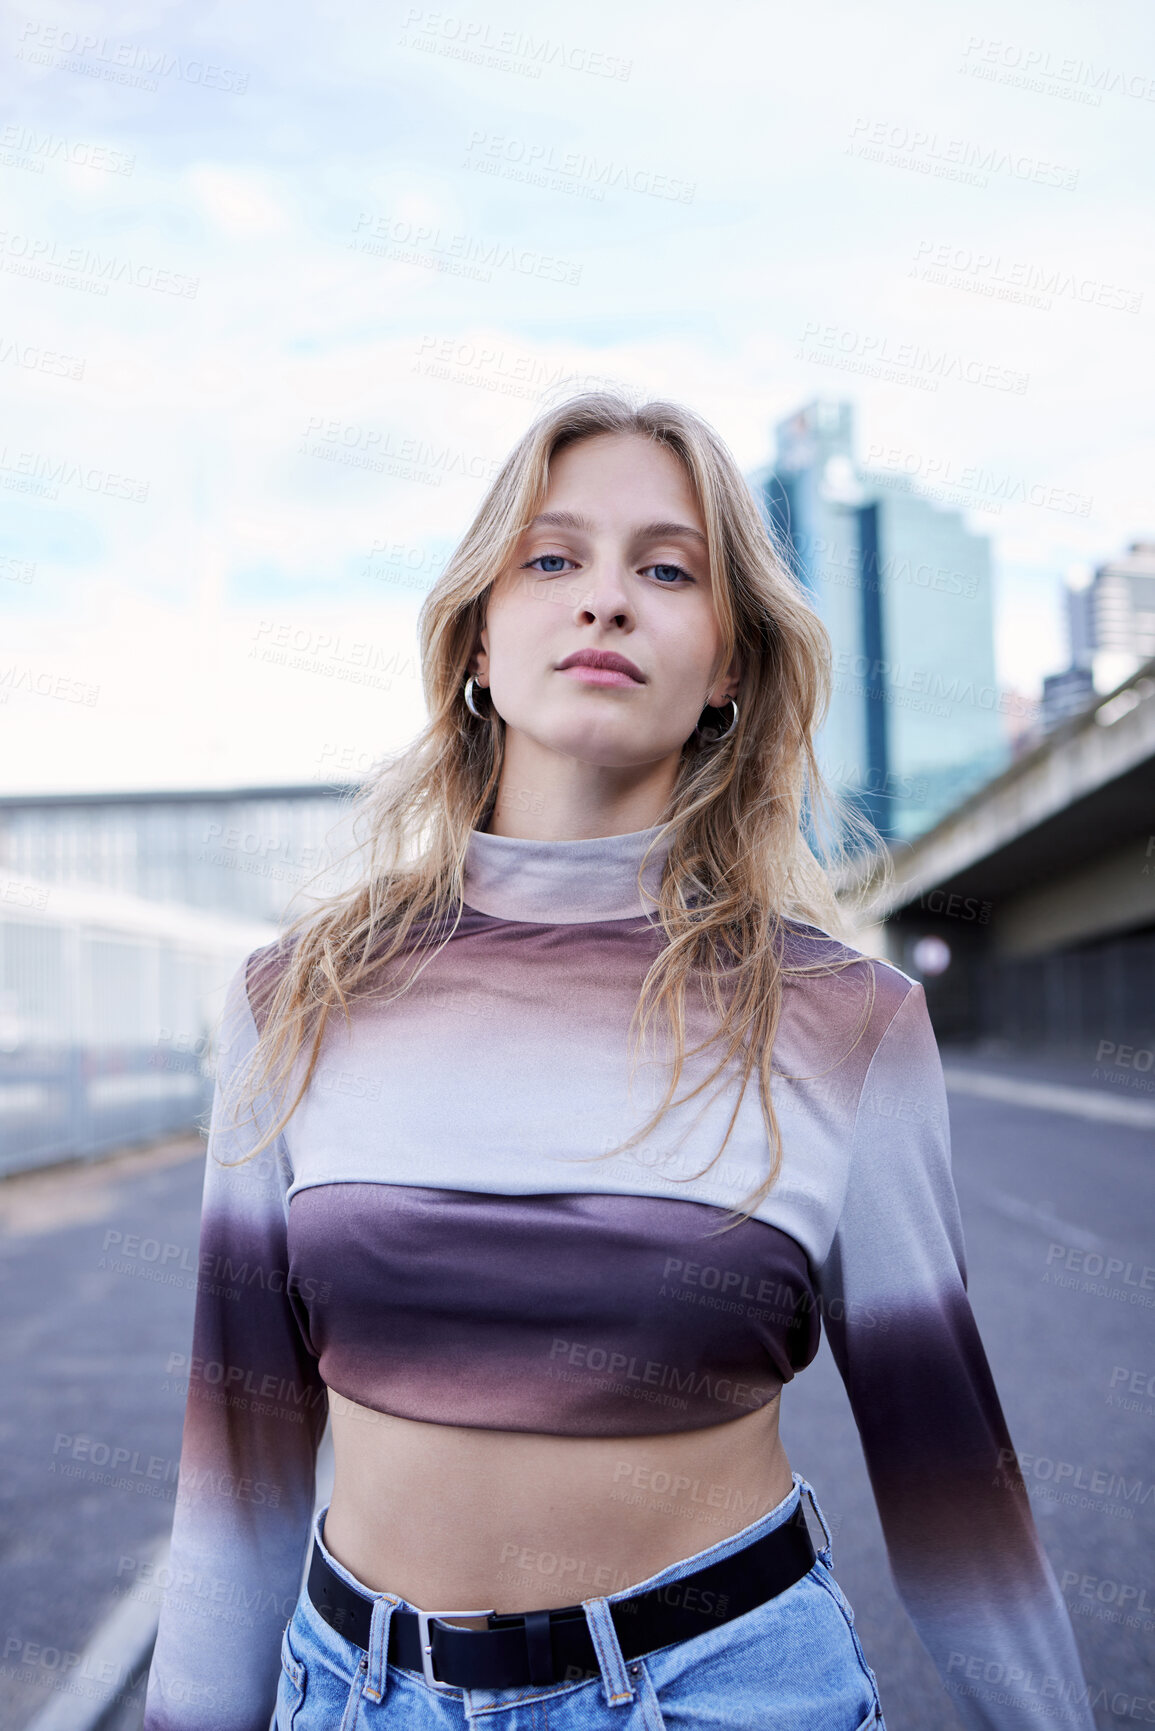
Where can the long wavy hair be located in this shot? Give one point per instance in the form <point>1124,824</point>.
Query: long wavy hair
<point>740,868</point>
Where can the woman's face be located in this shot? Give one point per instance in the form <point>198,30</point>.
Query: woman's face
<point>616,562</point>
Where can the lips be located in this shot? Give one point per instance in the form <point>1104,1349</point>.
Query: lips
<point>605,660</point>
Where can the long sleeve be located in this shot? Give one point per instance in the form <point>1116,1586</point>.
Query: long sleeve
<point>255,1412</point>
<point>964,1551</point>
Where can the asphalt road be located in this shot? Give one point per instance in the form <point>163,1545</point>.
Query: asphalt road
<point>1050,1203</point>
<point>1045,1197</point>
<point>91,1424</point>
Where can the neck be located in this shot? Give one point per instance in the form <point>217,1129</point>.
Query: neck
<point>566,882</point>
<point>547,796</point>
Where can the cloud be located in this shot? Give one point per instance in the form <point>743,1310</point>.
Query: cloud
<point>325,302</point>
<point>239,202</point>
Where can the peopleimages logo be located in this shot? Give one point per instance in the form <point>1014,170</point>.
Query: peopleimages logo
<point>476,40</point>
<point>47,259</point>
<point>1021,280</point>
<point>1035,68</point>
<point>929,152</point>
<point>498,152</point>
<point>956,907</point>
<point>877,355</point>
<point>122,62</point>
<point>886,676</point>
<point>992,489</point>
<point>396,238</point>
<point>36,148</point>
<point>56,472</point>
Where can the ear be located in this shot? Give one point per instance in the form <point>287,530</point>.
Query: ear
<point>721,693</point>
<point>478,663</point>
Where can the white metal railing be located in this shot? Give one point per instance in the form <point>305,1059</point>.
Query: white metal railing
<point>108,1008</point>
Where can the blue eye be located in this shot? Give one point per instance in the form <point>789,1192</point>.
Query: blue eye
<point>557,561</point>
<point>552,564</point>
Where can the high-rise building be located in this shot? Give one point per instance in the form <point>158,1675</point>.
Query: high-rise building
<point>1110,614</point>
<point>904,589</point>
<point>1122,609</point>
<point>1079,598</point>
<point>1066,695</point>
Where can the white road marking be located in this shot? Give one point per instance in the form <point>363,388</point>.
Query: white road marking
<point>1051,1097</point>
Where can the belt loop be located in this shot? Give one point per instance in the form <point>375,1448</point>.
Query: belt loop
<point>537,1644</point>
<point>615,1678</point>
<point>824,1551</point>
<point>376,1679</point>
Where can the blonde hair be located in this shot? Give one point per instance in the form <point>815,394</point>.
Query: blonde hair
<point>739,864</point>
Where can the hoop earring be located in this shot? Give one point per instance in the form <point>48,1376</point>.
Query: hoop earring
<point>710,737</point>
<point>469,703</point>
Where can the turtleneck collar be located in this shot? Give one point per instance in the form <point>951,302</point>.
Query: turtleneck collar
<point>562,882</point>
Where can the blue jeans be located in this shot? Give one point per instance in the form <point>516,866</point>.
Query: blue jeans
<point>794,1663</point>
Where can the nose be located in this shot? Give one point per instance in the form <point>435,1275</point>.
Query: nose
<point>605,595</point>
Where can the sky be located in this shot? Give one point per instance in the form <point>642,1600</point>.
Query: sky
<point>282,284</point>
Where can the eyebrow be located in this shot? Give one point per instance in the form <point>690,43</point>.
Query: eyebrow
<point>647,532</point>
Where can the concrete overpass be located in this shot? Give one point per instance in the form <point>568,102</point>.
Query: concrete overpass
<point>1047,871</point>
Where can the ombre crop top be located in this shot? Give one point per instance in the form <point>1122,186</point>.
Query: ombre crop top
<point>444,1231</point>
<point>572,1314</point>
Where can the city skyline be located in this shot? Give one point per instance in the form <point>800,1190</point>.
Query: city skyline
<point>410,570</point>
<point>262,356</point>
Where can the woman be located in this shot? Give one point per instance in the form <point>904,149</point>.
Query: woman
<point>548,1306</point>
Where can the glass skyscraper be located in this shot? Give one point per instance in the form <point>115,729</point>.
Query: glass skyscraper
<point>904,589</point>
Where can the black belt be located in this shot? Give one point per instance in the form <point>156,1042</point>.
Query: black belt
<point>538,1647</point>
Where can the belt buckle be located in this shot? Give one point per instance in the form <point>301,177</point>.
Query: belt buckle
<point>426,1639</point>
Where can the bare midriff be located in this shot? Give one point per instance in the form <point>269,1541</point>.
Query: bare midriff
<point>460,1519</point>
